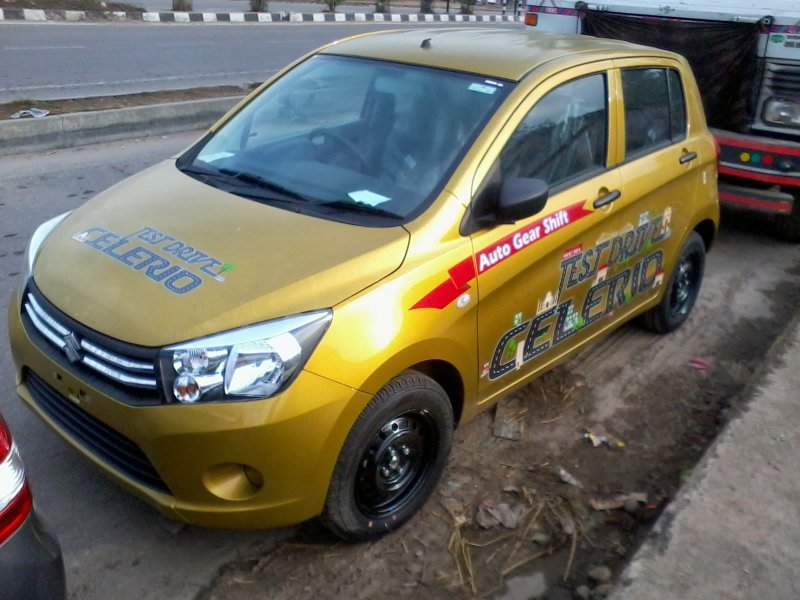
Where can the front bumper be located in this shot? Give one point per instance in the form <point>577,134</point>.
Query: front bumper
<point>264,463</point>
<point>31,565</point>
<point>757,172</point>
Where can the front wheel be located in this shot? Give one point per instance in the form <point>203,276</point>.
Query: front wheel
<point>391,460</point>
<point>682,289</point>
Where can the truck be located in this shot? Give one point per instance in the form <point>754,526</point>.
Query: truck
<point>746,58</point>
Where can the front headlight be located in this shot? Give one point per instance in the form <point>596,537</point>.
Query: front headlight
<point>778,111</point>
<point>257,361</point>
<point>37,239</point>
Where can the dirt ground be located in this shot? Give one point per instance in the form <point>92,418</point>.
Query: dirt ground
<point>57,107</point>
<point>604,442</point>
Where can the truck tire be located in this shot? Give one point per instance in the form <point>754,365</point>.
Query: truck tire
<point>788,226</point>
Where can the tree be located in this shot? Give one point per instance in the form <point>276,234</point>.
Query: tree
<point>182,5</point>
<point>426,6</point>
<point>382,6</point>
<point>259,6</point>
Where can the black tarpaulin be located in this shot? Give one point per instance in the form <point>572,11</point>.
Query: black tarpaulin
<point>722,56</point>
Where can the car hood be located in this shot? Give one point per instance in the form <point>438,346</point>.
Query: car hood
<point>162,258</point>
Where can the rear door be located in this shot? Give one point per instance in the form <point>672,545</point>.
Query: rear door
<point>660,168</point>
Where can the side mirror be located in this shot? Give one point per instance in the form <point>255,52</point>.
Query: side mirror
<point>506,202</point>
<point>520,198</point>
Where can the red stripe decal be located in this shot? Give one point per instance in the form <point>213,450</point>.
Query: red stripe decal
<point>464,272</point>
<point>530,234</point>
<point>452,288</point>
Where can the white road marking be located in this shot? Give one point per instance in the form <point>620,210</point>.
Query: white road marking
<point>27,48</point>
<point>182,44</point>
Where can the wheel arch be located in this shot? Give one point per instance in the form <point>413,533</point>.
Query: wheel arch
<point>447,376</point>
<point>707,230</point>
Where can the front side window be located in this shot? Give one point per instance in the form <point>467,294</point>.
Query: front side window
<point>563,137</point>
<point>358,140</point>
<point>655,111</point>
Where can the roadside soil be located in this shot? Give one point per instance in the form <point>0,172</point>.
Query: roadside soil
<point>58,107</point>
<point>546,513</point>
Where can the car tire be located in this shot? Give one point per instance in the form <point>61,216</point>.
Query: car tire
<point>392,459</point>
<point>682,289</point>
<point>788,226</point>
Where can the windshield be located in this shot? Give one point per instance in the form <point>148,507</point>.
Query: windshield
<point>362,141</point>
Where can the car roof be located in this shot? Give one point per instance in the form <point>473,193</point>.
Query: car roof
<point>502,53</point>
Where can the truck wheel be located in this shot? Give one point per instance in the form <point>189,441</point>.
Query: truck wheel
<point>392,459</point>
<point>682,289</point>
<point>788,226</point>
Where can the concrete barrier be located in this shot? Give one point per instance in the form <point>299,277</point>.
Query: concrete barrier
<point>78,129</point>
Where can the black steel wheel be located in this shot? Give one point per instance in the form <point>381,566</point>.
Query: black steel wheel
<point>682,289</point>
<point>391,460</point>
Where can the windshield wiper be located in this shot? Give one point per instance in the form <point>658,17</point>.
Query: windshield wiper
<point>263,183</point>
<point>360,207</point>
<point>208,172</point>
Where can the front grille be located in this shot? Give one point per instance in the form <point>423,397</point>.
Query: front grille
<point>782,80</point>
<point>95,436</point>
<point>120,368</point>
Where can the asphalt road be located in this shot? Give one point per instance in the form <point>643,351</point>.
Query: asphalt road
<point>50,61</point>
<point>116,546</point>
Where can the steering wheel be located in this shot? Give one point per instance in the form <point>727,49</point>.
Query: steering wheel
<point>343,144</point>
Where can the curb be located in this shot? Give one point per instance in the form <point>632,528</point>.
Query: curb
<point>80,129</point>
<point>41,15</point>
<point>649,569</point>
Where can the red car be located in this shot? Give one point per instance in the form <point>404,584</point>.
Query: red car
<point>31,565</point>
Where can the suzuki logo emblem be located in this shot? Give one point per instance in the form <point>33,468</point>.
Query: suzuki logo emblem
<point>72,348</point>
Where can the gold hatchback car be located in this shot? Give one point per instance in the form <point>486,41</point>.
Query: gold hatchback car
<point>288,319</point>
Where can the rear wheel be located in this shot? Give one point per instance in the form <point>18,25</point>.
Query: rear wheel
<point>682,289</point>
<point>392,459</point>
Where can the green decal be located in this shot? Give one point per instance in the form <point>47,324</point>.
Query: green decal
<point>224,268</point>
<point>776,39</point>
<point>511,351</point>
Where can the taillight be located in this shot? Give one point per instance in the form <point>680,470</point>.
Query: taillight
<point>15,497</point>
<point>531,19</point>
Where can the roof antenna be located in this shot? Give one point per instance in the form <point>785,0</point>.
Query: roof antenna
<point>426,43</point>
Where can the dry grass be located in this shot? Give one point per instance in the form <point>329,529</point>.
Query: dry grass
<point>483,565</point>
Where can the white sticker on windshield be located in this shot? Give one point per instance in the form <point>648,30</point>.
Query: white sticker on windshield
<point>482,88</point>
<point>367,197</point>
<point>210,158</point>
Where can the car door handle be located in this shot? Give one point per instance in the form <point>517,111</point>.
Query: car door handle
<point>607,199</point>
<point>687,157</point>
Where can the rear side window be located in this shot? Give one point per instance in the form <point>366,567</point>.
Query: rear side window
<point>655,111</point>
<point>677,106</point>
<point>563,137</point>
